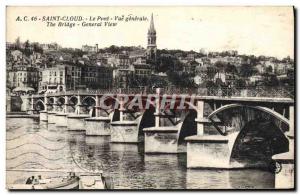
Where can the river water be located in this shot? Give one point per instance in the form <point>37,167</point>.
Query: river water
<point>39,148</point>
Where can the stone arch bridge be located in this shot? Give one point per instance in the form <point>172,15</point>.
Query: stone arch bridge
<point>213,130</point>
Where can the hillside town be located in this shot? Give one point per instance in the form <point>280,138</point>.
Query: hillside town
<point>34,67</point>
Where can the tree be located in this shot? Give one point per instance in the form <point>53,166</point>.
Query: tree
<point>220,66</point>
<point>240,83</point>
<point>274,81</point>
<point>18,43</point>
<point>270,80</point>
<point>113,49</point>
<point>210,84</point>
<point>219,82</point>
<point>37,48</point>
<point>269,69</point>
<point>247,70</point>
<point>27,48</point>
<point>177,80</point>
<point>230,68</point>
<point>78,53</point>
<point>166,63</point>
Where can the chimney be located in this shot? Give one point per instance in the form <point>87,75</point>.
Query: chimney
<point>97,48</point>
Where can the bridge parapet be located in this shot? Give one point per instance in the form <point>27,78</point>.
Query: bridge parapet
<point>277,92</point>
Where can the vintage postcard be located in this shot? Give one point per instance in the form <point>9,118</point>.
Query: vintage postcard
<point>139,98</point>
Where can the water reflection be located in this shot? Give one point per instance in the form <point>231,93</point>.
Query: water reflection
<point>228,179</point>
<point>166,171</point>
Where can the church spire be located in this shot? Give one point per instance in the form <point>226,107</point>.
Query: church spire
<point>152,28</point>
<point>151,46</point>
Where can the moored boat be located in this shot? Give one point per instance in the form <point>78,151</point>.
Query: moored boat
<point>56,183</point>
<point>94,182</point>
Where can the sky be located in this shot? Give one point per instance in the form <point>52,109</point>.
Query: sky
<point>249,30</point>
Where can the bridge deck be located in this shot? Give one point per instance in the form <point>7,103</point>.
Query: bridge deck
<point>248,99</point>
<point>197,97</point>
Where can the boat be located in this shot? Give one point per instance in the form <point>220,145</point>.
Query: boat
<point>80,181</point>
<point>56,183</point>
<point>94,182</point>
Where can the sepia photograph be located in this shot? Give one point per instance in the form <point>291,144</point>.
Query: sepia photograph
<point>150,98</point>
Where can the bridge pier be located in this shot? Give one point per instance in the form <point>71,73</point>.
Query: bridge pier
<point>125,131</point>
<point>52,113</point>
<point>51,117</point>
<point>161,139</point>
<point>76,122</point>
<point>62,116</point>
<point>25,106</point>
<point>66,103</point>
<point>31,103</point>
<point>61,119</point>
<point>78,106</point>
<point>285,177</point>
<point>44,113</point>
<point>97,126</point>
<point>209,151</point>
<point>200,119</point>
<point>285,165</point>
<point>8,103</point>
<point>55,105</point>
<point>44,116</point>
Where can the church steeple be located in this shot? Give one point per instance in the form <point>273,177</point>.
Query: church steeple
<point>151,40</point>
<point>152,28</point>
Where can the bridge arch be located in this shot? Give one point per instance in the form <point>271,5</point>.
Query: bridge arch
<point>109,101</point>
<point>188,126</point>
<point>259,136</point>
<point>39,105</point>
<point>256,143</point>
<point>115,115</point>
<point>263,109</point>
<point>73,100</point>
<point>147,119</point>
<point>89,103</point>
<point>51,100</point>
<point>61,101</point>
<point>88,99</point>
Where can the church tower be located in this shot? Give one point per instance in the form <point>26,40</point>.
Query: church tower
<point>151,46</point>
